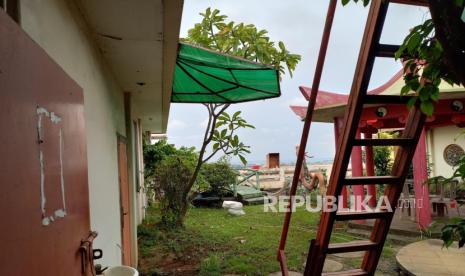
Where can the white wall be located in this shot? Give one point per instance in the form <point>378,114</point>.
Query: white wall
<point>438,140</point>
<point>58,28</point>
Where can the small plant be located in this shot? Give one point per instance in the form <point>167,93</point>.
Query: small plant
<point>210,266</point>
<point>382,160</point>
<point>219,176</point>
<point>171,178</point>
<point>454,231</point>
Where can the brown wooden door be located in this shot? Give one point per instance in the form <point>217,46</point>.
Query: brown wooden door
<point>124,197</point>
<point>44,199</point>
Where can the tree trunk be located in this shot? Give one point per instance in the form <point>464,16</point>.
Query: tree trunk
<point>450,32</point>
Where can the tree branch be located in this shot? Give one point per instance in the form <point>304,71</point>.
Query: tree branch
<point>214,37</point>
<point>211,155</point>
<point>209,132</point>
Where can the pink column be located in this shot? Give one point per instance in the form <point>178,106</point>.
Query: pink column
<point>370,169</point>
<point>357,170</point>
<point>337,128</point>
<point>420,175</point>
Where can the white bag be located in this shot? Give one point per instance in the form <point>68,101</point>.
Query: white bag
<point>236,212</point>
<point>232,205</point>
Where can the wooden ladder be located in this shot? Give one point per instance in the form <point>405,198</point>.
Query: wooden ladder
<point>406,144</point>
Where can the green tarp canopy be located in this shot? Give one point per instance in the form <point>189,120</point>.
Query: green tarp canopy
<point>205,76</point>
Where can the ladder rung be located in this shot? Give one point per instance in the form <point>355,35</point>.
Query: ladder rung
<point>411,2</point>
<point>353,272</point>
<point>386,50</point>
<point>341,216</point>
<point>383,142</point>
<point>352,246</point>
<point>367,180</point>
<point>386,99</point>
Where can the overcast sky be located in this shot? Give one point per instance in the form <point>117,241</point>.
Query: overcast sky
<point>299,24</point>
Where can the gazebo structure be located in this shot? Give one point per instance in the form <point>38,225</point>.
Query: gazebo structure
<point>439,142</point>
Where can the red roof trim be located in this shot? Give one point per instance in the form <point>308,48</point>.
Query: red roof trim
<point>326,98</point>
<point>300,111</point>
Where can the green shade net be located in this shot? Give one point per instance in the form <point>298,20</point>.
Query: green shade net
<point>205,76</point>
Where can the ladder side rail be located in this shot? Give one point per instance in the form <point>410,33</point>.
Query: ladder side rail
<point>308,119</point>
<point>413,129</point>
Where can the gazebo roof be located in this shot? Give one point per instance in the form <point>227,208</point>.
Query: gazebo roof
<point>329,105</point>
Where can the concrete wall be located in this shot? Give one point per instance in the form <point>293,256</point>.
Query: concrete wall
<point>438,140</point>
<point>57,26</point>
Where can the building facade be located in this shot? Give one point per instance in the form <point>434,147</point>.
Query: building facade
<point>121,54</point>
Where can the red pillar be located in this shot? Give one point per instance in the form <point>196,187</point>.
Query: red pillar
<point>370,169</point>
<point>420,175</point>
<point>337,129</point>
<point>357,170</point>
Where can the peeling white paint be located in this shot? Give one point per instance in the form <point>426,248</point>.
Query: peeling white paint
<point>55,119</point>
<point>52,115</point>
<point>62,178</point>
<point>42,182</point>
<point>60,213</point>
<point>42,111</point>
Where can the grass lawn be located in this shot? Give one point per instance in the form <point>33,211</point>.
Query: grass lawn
<point>215,243</point>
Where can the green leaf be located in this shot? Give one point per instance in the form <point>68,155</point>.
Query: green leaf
<point>405,89</point>
<point>413,42</point>
<point>223,133</point>
<point>233,142</point>
<point>399,52</point>
<point>427,107</point>
<point>225,115</point>
<point>345,2</point>
<point>411,102</point>
<point>447,235</point>
<point>424,94</point>
<point>435,93</point>
<point>216,146</point>
<point>243,160</point>
<point>223,118</point>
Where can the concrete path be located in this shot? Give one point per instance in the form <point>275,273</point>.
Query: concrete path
<point>427,257</point>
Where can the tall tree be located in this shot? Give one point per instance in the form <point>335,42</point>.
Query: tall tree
<point>242,40</point>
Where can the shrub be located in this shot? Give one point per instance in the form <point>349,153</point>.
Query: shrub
<point>219,176</point>
<point>154,154</point>
<point>382,160</point>
<point>170,184</point>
